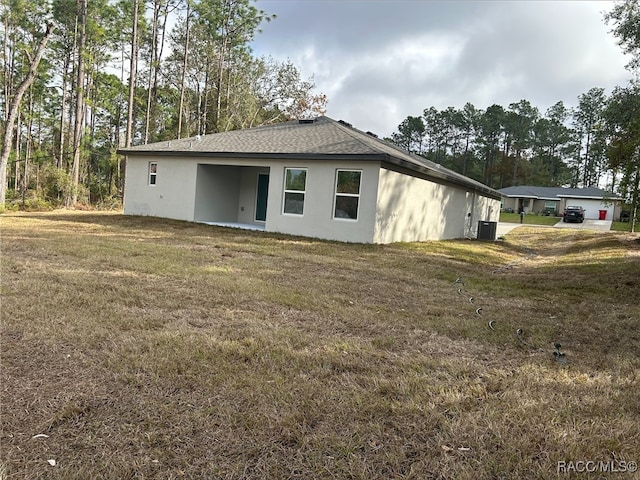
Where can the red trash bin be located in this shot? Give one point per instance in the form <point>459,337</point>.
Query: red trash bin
<point>603,214</point>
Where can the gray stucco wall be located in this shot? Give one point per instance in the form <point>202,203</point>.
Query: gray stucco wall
<point>216,193</point>
<point>317,220</point>
<point>173,195</point>
<point>392,206</point>
<point>415,209</point>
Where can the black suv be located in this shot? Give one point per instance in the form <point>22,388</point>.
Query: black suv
<point>573,214</point>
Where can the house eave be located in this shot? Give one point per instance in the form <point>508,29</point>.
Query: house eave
<point>588,197</point>
<point>369,157</point>
<point>254,155</point>
<point>532,197</point>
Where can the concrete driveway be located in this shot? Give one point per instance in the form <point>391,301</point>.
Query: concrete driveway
<point>602,225</point>
<point>503,228</point>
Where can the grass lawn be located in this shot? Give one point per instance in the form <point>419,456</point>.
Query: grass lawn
<point>529,219</point>
<point>623,227</point>
<point>146,348</point>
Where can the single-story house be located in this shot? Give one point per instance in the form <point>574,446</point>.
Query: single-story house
<point>317,177</point>
<point>597,203</point>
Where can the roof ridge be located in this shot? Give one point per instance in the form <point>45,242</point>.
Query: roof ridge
<point>382,141</point>
<point>347,127</point>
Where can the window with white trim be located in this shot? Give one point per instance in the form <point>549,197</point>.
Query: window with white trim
<point>347,199</point>
<point>153,172</point>
<point>295,184</point>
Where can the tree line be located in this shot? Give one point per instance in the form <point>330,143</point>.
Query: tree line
<point>515,145</point>
<point>83,78</point>
<point>595,144</point>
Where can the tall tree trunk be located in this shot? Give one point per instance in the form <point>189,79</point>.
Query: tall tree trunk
<point>203,125</point>
<point>184,70</point>
<point>79,116</point>
<point>516,162</point>
<point>18,149</point>
<point>132,73</point>
<point>153,68</point>
<point>28,149</point>
<point>465,157</point>
<point>217,115</point>
<point>6,70</point>
<point>93,92</point>
<point>14,108</point>
<point>635,192</point>
<point>585,182</point>
<point>63,112</point>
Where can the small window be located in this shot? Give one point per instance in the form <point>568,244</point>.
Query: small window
<point>295,184</point>
<point>347,194</point>
<point>153,172</point>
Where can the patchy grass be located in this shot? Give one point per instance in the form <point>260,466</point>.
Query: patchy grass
<point>623,227</point>
<point>529,219</point>
<point>149,348</point>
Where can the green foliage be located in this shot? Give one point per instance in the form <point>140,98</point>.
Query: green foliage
<point>225,86</point>
<point>497,146</point>
<point>57,184</point>
<point>625,17</point>
<point>29,201</point>
<point>623,120</point>
<point>623,111</point>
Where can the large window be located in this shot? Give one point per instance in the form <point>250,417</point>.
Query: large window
<point>295,184</point>
<point>153,172</point>
<point>347,194</point>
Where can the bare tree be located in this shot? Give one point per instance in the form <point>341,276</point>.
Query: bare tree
<point>14,108</point>
<point>184,68</point>
<point>132,73</point>
<point>79,117</point>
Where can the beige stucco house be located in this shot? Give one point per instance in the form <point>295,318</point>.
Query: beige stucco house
<point>318,178</point>
<point>597,203</point>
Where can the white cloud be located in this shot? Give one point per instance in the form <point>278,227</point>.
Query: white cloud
<point>380,61</point>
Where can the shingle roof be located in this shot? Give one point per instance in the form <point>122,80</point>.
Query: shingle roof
<point>322,138</point>
<point>526,191</point>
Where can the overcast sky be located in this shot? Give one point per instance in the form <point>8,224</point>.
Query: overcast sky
<point>379,61</point>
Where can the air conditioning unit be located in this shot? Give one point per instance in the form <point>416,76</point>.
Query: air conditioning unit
<point>487,230</point>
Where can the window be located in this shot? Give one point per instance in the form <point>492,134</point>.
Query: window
<point>153,172</point>
<point>295,183</point>
<point>347,194</point>
<point>550,207</point>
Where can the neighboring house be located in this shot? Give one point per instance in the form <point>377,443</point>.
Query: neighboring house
<point>597,203</point>
<point>318,178</point>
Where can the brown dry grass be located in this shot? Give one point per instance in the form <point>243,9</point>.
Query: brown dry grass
<point>148,348</point>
